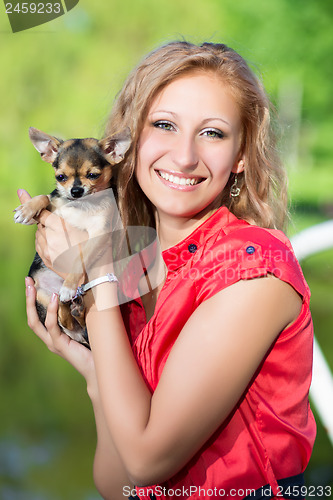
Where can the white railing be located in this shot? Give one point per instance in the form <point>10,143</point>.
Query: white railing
<point>308,242</point>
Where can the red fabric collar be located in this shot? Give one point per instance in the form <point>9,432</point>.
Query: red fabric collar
<point>178,255</point>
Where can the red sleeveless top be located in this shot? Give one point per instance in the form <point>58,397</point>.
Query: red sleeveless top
<point>270,433</point>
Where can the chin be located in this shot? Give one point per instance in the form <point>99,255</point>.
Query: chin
<point>183,211</point>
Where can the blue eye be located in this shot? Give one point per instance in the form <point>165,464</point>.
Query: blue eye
<point>213,133</point>
<point>164,125</point>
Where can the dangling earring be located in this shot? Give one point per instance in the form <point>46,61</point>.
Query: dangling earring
<point>234,190</point>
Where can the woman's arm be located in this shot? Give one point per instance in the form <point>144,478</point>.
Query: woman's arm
<point>209,367</point>
<point>109,473</point>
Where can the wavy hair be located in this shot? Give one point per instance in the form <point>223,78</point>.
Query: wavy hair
<point>263,199</point>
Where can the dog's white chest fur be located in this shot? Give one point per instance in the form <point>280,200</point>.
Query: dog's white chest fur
<point>86,215</point>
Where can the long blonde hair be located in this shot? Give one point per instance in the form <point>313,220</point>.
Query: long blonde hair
<point>262,200</point>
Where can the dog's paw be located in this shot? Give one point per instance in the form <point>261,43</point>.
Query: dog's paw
<point>24,214</point>
<point>66,294</point>
<point>77,307</point>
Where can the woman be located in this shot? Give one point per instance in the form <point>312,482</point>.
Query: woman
<point>201,386</point>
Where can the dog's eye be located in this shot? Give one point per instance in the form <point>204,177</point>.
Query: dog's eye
<point>93,176</point>
<point>61,178</point>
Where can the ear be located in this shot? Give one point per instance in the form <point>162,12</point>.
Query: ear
<point>239,166</point>
<point>45,144</point>
<point>115,146</point>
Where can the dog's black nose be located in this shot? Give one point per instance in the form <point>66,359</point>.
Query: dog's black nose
<point>77,192</point>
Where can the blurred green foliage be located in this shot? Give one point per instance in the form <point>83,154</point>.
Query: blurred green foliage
<point>62,78</point>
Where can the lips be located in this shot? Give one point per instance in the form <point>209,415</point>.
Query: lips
<point>179,180</point>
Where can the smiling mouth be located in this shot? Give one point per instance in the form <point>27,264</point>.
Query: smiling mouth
<point>180,181</point>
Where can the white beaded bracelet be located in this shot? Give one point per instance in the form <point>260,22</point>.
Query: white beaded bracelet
<point>108,278</point>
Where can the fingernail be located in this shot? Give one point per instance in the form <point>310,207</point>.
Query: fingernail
<point>19,192</point>
<point>54,297</point>
<point>28,290</point>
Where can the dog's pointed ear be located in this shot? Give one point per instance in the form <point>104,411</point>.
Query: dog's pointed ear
<point>115,146</point>
<point>45,144</point>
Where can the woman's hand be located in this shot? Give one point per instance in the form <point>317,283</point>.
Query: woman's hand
<point>57,341</point>
<point>57,243</point>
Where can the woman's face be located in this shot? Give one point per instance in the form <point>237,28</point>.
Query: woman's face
<point>189,145</point>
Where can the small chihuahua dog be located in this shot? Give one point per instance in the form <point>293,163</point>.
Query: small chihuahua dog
<point>82,167</point>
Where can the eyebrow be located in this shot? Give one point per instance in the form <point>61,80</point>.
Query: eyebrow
<point>206,120</point>
<point>164,111</point>
<point>216,118</point>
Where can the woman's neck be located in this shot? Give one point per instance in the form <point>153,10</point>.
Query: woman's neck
<point>171,230</point>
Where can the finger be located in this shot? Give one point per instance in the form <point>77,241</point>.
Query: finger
<point>41,243</point>
<point>59,340</point>
<point>60,343</point>
<point>51,320</point>
<point>44,251</point>
<point>33,320</point>
<point>44,254</point>
<point>40,235</point>
<point>42,248</point>
<point>48,219</point>
<point>23,195</point>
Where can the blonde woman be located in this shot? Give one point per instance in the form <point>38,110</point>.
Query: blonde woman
<point>200,385</point>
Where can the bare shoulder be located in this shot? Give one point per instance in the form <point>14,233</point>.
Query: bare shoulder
<point>266,296</point>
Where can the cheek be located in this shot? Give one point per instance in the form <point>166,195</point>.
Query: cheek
<point>152,146</point>
<point>220,161</point>
<point>218,164</point>
<point>140,173</point>
<point>145,159</point>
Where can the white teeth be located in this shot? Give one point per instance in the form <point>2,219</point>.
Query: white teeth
<point>182,181</point>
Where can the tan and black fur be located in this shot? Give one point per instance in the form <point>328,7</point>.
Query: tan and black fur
<point>82,167</point>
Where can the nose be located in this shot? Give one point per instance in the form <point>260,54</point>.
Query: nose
<point>77,191</point>
<point>185,154</point>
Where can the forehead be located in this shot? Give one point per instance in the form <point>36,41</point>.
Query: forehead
<point>75,153</point>
<point>201,94</point>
